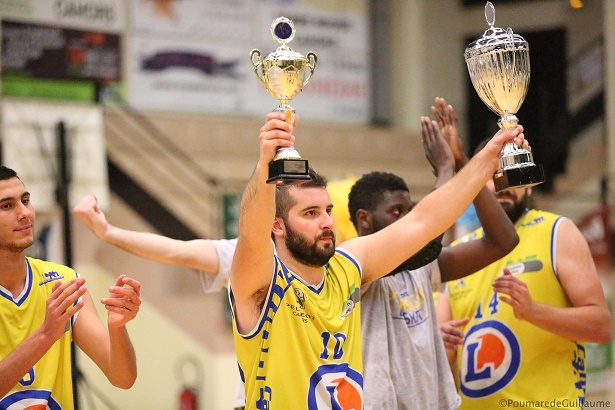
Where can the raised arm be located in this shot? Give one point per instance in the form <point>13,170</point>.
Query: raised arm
<point>197,254</point>
<point>252,267</point>
<point>110,348</point>
<point>382,251</point>
<point>59,311</point>
<point>500,236</point>
<point>588,320</point>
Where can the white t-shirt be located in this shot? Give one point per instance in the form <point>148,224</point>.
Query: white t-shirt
<point>214,282</point>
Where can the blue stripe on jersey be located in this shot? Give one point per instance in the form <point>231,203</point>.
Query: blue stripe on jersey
<point>271,307</point>
<point>29,280</point>
<point>554,244</point>
<point>351,259</point>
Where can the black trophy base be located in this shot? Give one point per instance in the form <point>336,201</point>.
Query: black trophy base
<point>522,177</point>
<point>288,171</point>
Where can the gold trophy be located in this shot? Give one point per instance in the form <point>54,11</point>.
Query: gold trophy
<point>499,66</point>
<point>284,73</point>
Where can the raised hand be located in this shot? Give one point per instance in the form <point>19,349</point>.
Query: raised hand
<point>446,118</point>
<point>61,306</point>
<point>494,146</point>
<point>123,301</point>
<point>276,133</point>
<point>437,151</point>
<point>87,210</point>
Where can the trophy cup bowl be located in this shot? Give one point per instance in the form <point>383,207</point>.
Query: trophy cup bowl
<point>499,67</point>
<point>284,73</point>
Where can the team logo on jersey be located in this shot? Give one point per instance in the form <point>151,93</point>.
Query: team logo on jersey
<point>490,359</point>
<point>30,399</point>
<point>300,297</point>
<point>335,387</point>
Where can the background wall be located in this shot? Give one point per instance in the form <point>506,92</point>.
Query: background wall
<point>423,59</point>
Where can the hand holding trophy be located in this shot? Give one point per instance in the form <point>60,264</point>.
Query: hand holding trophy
<point>499,66</point>
<point>284,73</point>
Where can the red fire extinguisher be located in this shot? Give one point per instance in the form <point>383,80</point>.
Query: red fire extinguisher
<point>189,396</point>
<point>188,399</point>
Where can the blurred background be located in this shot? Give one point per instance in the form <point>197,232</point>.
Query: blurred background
<point>154,107</point>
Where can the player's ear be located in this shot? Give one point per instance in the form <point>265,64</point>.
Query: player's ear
<point>364,219</point>
<point>278,229</point>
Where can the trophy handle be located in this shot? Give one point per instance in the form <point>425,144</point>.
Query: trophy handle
<point>255,58</point>
<point>311,58</point>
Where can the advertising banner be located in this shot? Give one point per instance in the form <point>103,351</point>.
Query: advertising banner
<point>34,54</point>
<point>194,56</point>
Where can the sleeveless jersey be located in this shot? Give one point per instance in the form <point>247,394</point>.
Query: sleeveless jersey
<point>49,382</point>
<point>507,360</point>
<point>305,351</point>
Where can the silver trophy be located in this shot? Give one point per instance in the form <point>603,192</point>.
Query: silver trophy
<point>499,66</point>
<point>284,73</point>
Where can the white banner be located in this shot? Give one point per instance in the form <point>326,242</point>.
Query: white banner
<point>103,15</point>
<point>194,56</point>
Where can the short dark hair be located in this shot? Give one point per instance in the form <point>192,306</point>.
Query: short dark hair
<point>283,199</point>
<point>369,191</point>
<point>7,173</point>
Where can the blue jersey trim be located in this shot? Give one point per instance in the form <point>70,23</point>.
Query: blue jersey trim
<point>351,259</point>
<point>29,280</point>
<point>553,246</point>
<point>269,307</point>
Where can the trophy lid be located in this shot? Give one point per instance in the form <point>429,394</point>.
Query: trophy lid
<point>283,31</point>
<point>495,38</point>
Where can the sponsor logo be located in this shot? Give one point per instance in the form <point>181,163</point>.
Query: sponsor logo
<point>85,10</point>
<point>29,399</point>
<point>204,63</point>
<point>523,267</point>
<point>534,221</point>
<point>50,277</point>
<point>412,308</point>
<point>335,387</point>
<point>490,359</point>
<point>348,307</point>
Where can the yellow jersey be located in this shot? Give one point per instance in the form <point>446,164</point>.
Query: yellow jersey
<point>49,383</point>
<point>305,351</point>
<point>511,361</point>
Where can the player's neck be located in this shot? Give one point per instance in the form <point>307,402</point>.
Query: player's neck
<point>311,275</point>
<point>12,271</point>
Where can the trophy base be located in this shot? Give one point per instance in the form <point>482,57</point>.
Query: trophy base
<point>521,177</point>
<point>288,171</point>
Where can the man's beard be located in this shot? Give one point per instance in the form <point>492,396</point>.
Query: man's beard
<point>517,208</point>
<point>305,253</point>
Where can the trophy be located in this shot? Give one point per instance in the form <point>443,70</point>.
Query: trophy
<point>499,66</point>
<point>284,73</point>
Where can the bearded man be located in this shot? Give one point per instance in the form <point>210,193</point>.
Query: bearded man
<point>296,298</point>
